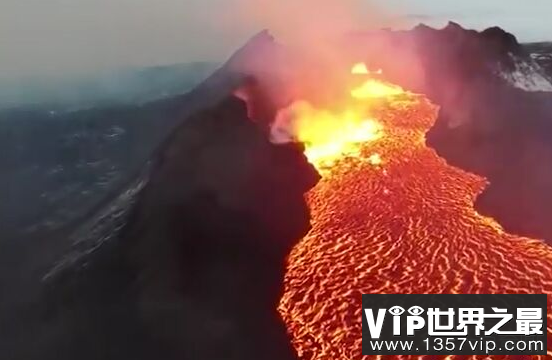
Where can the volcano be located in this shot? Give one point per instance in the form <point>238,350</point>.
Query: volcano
<point>288,188</point>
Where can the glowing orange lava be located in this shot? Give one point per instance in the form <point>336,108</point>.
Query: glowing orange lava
<point>401,222</point>
<point>328,135</point>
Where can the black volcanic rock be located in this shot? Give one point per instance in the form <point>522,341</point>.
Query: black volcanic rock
<point>197,271</point>
<point>506,140</point>
<point>466,54</point>
<point>501,40</point>
<point>489,125</point>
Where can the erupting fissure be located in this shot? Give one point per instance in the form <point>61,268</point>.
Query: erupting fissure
<point>331,135</point>
<point>391,216</point>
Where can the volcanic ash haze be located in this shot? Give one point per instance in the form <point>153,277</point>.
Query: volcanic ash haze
<point>310,22</point>
<point>313,33</point>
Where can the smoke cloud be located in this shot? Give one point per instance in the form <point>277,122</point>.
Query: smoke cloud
<point>64,37</point>
<point>316,43</point>
<point>307,22</point>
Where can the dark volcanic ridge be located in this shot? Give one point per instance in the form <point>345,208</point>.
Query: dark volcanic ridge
<point>196,272</point>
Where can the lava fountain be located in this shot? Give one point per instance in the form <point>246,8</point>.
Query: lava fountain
<point>331,135</point>
<point>390,216</point>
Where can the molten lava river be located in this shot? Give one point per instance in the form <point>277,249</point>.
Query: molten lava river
<point>391,216</point>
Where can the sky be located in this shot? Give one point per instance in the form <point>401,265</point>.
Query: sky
<point>64,37</point>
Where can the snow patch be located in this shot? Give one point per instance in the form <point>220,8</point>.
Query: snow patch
<point>527,75</point>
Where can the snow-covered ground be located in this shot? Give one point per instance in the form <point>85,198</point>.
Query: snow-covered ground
<point>527,75</point>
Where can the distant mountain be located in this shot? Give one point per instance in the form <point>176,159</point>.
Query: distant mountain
<point>126,86</point>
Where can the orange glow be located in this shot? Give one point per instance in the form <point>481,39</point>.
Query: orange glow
<point>373,88</point>
<point>332,135</point>
<point>329,136</point>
